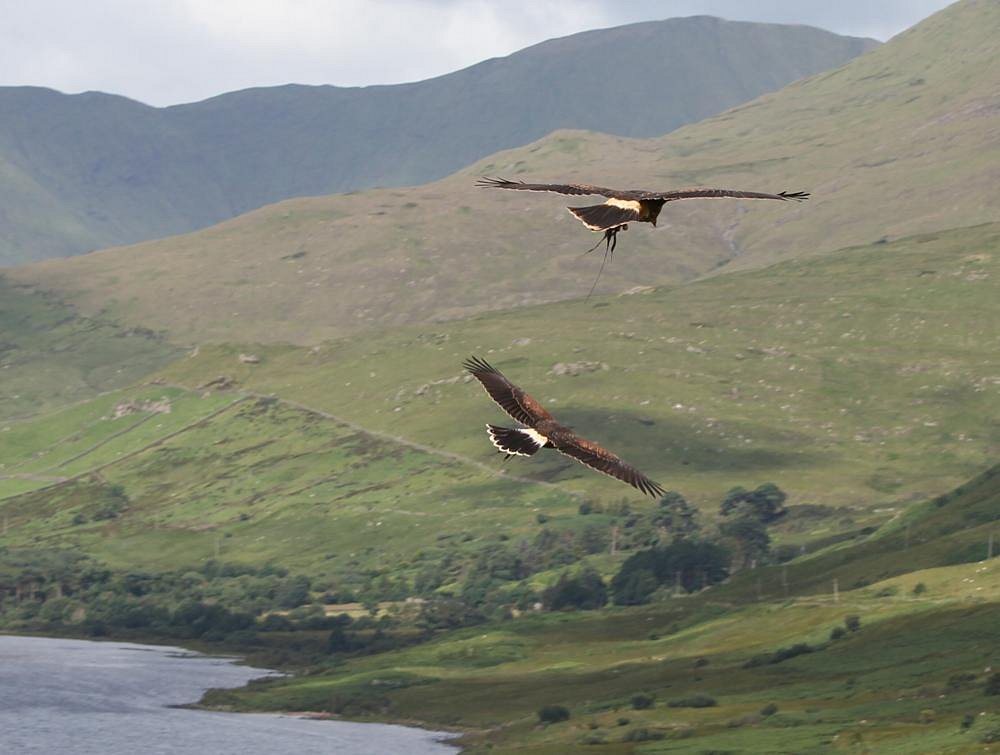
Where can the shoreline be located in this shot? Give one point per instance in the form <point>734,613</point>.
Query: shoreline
<point>237,658</point>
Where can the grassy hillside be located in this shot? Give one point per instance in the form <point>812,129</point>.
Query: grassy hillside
<point>897,142</point>
<point>952,528</point>
<point>865,379</point>
<point>183,476</point>
<point>50,355</point>
<point>92,170</point>
<point>868,377</point>
<point>81,439</point>
<point>902,682</point>
<point>887,687</point>
<point>872,688</point>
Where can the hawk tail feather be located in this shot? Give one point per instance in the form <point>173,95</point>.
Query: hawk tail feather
<point>601,217</point>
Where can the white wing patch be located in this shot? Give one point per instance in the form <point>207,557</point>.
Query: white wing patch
<point>540,440</point>
<point>625,204</point>
<point>529,439</point>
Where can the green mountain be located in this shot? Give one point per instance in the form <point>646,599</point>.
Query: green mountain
<point>93,170</point>
<point>863,380</point>
<point>897,142</point>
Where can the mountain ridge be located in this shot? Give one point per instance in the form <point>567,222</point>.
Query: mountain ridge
<point>104,170</point>
<point>447,250</point>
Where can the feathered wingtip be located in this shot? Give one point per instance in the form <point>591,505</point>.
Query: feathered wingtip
<point>795,196</point>
<point>474,364</point>
<point>487,182</point>
<point>650,488</point>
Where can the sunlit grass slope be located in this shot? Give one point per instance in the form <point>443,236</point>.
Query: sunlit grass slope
<point>249,480</point>
<point>89,435</point>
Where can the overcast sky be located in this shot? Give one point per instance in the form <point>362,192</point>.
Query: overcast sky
<point>167,51</point>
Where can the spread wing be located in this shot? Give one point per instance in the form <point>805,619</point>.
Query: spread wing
<point>508,396</point>
<point>669,196</point>
<point>576,189</point>
<point>602,460</point>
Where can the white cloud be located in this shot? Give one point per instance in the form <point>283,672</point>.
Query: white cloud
<point>168,51</point>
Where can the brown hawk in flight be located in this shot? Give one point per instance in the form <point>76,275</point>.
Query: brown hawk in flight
<point>543,431</point>
<point>624,206</point>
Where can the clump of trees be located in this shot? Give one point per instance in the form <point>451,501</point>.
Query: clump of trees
<point>688,564</point>
<point>584,590</point>
<point>71,592</point>
<point>489,582</point>
<point>747,515</point>
<point>448,613</point>
<point>669,545</point>
<point>553,714</point>
<point>678,517</point>
<point>643,701</point>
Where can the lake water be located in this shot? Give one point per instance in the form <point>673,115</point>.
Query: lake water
<point>74,696</point>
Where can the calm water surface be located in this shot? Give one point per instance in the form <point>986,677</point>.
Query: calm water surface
<point>74,696</point>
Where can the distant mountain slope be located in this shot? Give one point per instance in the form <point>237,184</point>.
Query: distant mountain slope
<point>93,170</point>
<point>899,141</point>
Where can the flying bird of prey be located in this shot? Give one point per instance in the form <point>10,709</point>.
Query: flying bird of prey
<point>543,431</point>
<point>624,206</point>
